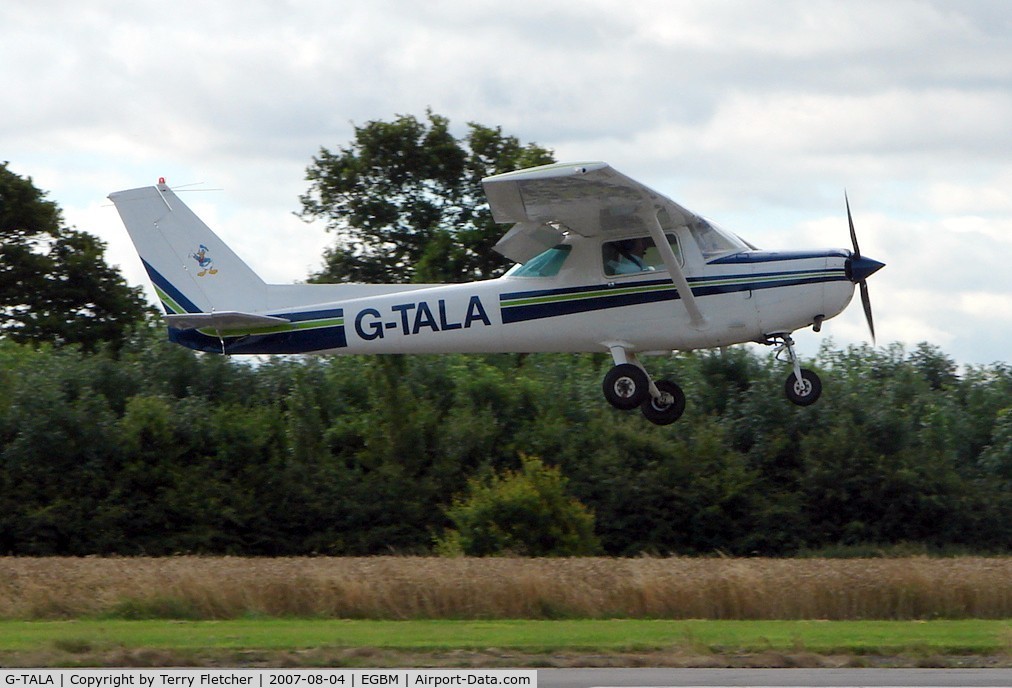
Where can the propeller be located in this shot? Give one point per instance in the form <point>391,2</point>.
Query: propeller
<point>859,268</point>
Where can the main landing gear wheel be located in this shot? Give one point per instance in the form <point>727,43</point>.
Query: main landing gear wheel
<point>668,407</point>
<point>803,392</point>
<point>626,386</point>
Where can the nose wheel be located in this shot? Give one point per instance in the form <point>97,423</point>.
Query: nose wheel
<point>802,387</point>
<point>627,386</point>
<point>804,391</point>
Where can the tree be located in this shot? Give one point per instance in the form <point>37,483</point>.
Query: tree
<point>406,202</point>
<point>525,513</point>
<point>55,285</point>
<point>937,368</point>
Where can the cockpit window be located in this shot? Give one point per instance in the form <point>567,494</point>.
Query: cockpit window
<point>714,241</point>
<point>636,255</point>
<point>546,264</point>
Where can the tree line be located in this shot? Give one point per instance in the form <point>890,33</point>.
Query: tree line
<point>159,450</point>
<point>113,441</point>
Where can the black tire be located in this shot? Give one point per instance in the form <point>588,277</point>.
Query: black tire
<point>807,391</point>
<point>659,413</point>
<point>626,386</point>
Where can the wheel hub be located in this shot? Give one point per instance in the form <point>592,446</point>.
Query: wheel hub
<point>802,387</point>
<point>625,387</point>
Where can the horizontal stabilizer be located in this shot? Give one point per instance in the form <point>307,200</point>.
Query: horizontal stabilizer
<point>223,321</point>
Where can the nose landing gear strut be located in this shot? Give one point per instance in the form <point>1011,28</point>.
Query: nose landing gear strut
<point>802,387</point>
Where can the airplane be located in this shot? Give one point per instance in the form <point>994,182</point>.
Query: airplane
<point>603,264</point>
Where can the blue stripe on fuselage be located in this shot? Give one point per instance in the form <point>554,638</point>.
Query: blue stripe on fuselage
<point>701,286</point>
<point>294,342</point>
<point>777,256</point>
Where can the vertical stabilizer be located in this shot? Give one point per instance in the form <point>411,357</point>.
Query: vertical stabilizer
<point>192,270</point>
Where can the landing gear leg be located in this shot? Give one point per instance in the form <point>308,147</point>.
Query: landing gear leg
<point>802,387</point>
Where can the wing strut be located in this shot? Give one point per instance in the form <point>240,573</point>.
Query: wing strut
<point>674,269</point>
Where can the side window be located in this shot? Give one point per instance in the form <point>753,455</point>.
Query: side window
<point>546,264</point>
<point>636,255</point>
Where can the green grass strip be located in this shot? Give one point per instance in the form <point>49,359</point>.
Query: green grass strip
<point>853,637</point>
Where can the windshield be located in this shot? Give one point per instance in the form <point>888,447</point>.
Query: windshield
<point>714,241</point>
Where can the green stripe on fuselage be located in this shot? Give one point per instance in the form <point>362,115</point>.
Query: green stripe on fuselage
<point>277,329</point>
<point>555,298</point>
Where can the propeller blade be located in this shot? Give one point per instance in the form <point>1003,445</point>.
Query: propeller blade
<point>859,269</point>
<point>850,220</point>
<point>866,302</point>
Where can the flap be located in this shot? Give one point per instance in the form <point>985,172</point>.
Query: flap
<point>528,239</point>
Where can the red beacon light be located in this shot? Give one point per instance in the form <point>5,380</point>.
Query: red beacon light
<point>161,180</point>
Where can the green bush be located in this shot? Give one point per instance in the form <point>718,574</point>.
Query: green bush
<point>523,513</point>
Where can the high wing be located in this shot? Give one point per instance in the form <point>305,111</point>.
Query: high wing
<point>590,199</point>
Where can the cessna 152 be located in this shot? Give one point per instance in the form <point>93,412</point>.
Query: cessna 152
<point>603,264</point>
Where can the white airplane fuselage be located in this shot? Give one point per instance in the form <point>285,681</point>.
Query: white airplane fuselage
<point>604,264</point>
<point>746,296</point>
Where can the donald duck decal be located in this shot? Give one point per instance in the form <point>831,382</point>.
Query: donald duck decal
<point>204,261</point>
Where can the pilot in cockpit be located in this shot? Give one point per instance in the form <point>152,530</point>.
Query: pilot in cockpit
<point>627,256</point>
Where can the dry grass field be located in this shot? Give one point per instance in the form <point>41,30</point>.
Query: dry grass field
<point>504,588</point>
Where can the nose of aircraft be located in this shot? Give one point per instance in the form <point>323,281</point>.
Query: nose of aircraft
<point>859,268</point>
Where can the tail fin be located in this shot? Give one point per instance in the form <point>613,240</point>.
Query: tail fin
<point>192,270</point>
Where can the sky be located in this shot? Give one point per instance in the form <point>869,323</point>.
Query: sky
<point>755,113</point>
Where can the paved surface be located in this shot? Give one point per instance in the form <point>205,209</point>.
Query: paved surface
<point>920,678</point>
